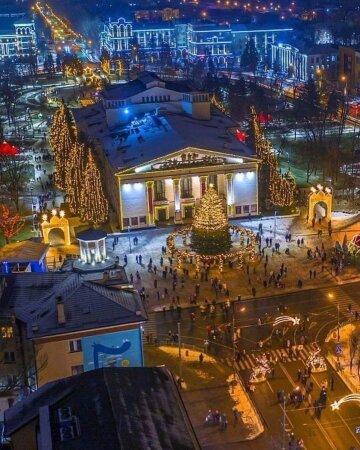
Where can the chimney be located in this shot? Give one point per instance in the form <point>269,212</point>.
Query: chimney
<point>60,308</point>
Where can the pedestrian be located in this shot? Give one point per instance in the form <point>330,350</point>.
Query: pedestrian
<point>299,374</point>
<point>223,421</point>
<point>131,278</point>
<point>314,274</point>
<point>253,290</point>
<point>235,415</point>
<point>201,358</point>
<point>310,274</point>
<point>332,382</point>
<point>137,259</point>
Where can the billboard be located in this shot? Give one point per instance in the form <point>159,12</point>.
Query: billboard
<point>119,349</point>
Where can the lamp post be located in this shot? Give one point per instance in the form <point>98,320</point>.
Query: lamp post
<point>344,78</point>
<point>129,229</point>
<point>275,214</point>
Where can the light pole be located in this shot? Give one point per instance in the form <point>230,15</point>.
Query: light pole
<point>129,229</point>
<point>275,224</point>
<point>344,78</point>
<point>180,360</point>
<point>284,424</point>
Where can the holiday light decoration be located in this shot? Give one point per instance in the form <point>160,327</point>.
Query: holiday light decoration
<point>62,136</point>
<point>93,204</point>
<point>210,237</point>
<point>348,398</point>
<point>10,224</point>
<point>354,245</point>
<point>210,231</point>
<point>281,188</point>
<point>74,175</point>
<point>283,319</point>
<point>219,105</point>
<point>259,372</point>
<point>316,362</point>
<point>7,149</point>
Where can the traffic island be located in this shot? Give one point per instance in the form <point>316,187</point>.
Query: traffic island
<point>211,396</point>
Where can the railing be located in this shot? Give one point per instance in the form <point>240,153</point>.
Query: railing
<point>187,194</point>
<point>160,198</point>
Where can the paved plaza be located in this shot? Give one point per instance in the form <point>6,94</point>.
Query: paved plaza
<point>250,281</point>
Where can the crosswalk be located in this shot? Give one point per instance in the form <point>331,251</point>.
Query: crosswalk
<point>249,362</point>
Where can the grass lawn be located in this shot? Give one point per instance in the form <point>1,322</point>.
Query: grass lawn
<point>196,375</point>
<point>24,233</point>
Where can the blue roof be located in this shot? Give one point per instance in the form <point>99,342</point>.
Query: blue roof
<point>91,235</point>
<point>87,305</point>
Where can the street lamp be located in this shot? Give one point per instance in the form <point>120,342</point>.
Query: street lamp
<point>344,78</point>
<point>275,215</point>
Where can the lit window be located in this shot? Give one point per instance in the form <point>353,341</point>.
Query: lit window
<point>7,332</point>
<point>75,346</point>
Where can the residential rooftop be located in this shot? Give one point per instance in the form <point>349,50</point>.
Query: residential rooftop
<point>115,408</point>
<point>34,298</point>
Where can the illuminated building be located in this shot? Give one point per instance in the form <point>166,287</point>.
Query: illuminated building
<point>223,43</point>
<point>160,146</point>
<point>17,36</point>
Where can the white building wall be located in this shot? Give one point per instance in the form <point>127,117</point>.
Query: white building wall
<point>134,202</point>
<point>169,189</point>
<point>196,187</point>
<point>221,184</point>
<point>245,189</point>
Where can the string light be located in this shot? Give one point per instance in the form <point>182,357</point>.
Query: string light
<point>62,136</point>
<point>93,204</point>
<point>281,188</point>
<point>210,237</point>
<point>74,176</point>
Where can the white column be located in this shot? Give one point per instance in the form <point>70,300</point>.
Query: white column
<point>230,193</point>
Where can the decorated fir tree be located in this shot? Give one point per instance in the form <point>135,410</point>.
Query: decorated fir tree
<point>210,232</point>
<point>74,175</point>
<point>93,204</point>
<point>10,224</point>
<point>62,136</point>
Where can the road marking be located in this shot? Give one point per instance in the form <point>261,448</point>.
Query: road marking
<point>321,428</point>
<point>271,389</point>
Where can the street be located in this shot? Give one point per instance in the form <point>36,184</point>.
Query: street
<point>324,308</point>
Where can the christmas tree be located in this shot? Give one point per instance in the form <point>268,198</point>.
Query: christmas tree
<point>93,204</point>
<point>210,232</point>
<point>62,136</point>
<point>74,175</point>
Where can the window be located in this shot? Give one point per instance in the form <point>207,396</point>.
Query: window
<point>75,346</point>
<point>77,370</point>
<point>213,181</point>
<point>246,209</point>
<point>142,219</point>
<point>186,187</point>
<point>9,357</point>
<point>254,208</point>
<point>134,221</point>
<point>7,332</point>
<point>126,222</point>
<point>237,209</point>
<point>160,190</point>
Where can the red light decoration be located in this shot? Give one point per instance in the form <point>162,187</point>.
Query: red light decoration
<point>241,136</point>
<point>7,149</point>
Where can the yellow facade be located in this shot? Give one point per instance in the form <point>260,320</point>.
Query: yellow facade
<point>54,360</point>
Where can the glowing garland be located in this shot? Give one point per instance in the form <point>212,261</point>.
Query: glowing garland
<point>74,176</point>
<point>283,319</point>
<point>348,398</point>
<point>94,207</point>
<point>281,187</point>
<point>240,255</point>
<point>62,136</point>
<point>210,216</point>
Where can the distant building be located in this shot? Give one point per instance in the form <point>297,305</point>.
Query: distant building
<point>113,408</point>
<point>223,43</point>
<point>303,62</point>
<point>161,144</point>
<point>349,69</point>
<point>17,36</point>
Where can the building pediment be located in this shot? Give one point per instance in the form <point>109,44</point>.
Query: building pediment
<point>189,158</point>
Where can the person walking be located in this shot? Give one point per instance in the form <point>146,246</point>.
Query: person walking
<point>332,382</point>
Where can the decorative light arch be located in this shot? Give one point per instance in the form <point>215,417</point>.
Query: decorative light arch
<point>56,222</point>
<point>317,195</point>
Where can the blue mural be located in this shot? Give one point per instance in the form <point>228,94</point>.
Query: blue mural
<point>120,349</point>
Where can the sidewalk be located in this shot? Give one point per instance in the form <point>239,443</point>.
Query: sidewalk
<point>208,386</point>
<point>349,375</point>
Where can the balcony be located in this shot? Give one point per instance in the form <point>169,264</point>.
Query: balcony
<point>160,198</point>
<point>186,194</point>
